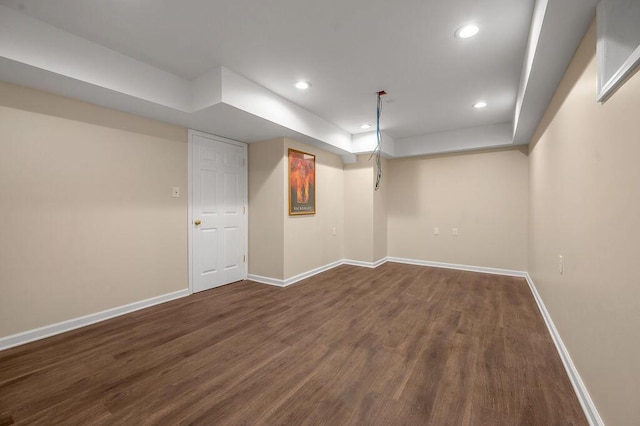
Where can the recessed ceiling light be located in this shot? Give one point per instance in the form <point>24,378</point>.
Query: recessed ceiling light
<point>302,85</point>
<point>467,31</point>
<point>480,104</point>
<point>366,126</point>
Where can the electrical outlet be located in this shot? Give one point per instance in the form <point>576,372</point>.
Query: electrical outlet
<point>436,230</point>
<point>454,232</point>
<point>561,264</point>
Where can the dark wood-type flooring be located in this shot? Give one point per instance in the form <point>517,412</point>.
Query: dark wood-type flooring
<point>396,345</point>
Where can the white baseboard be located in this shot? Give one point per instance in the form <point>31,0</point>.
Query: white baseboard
<point>284,283</point>
<point>266,280</point>
<point>61,327</point>
<point>365,264</point>
<point>589,408</point>
<point>287,282</point>
<point>481,269</point>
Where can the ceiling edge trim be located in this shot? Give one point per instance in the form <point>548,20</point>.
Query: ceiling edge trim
<point>38,55</point>
<point>556,31</point>
<point>471,138</point>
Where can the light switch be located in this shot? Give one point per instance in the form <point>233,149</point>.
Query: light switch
<point>176,192</point>
<point>436,230</point>
<point>454,232</point>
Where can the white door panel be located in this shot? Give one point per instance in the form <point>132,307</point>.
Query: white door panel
<point>231,247</point>
<point>218,219</point>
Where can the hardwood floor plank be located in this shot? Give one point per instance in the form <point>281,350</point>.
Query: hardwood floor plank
<point>399,344</point>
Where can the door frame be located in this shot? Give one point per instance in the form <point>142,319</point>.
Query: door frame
<point>191,133</point>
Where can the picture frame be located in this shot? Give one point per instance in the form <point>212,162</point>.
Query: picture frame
<point>302,183</point>
<point>618,44</point>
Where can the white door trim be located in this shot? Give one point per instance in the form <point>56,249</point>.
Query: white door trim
<point>245,201</point>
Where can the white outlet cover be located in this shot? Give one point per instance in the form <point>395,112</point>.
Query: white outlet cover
<point>561,264</point>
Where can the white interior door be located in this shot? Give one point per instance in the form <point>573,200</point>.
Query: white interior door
<point>218,216</point>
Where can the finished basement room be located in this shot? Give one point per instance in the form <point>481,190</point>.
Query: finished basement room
<point>319,212</point>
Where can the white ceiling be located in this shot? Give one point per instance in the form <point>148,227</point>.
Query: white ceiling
<point>348,50</point>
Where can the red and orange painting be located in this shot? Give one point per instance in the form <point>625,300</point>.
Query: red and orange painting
<point>302,183</point>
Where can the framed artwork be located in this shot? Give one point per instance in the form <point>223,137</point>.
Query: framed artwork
<point>618,48</point>
<point>302,183</point>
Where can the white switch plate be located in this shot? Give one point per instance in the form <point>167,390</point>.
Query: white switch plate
<point>436,230</point>
<point>454,232</point>
<point>175,193</point>
<point>333,231</point>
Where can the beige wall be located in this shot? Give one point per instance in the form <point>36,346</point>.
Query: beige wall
<point>380,206</point>
<point>365,210</point>
<point>585,206</point>
<point>483,194</point>
<point>266,219</point>
<point>88,222</point>
<point>283,246</point>
<point>358,213</point>
<point>309,242</point>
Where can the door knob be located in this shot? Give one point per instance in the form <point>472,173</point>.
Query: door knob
<point>197,222</point>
